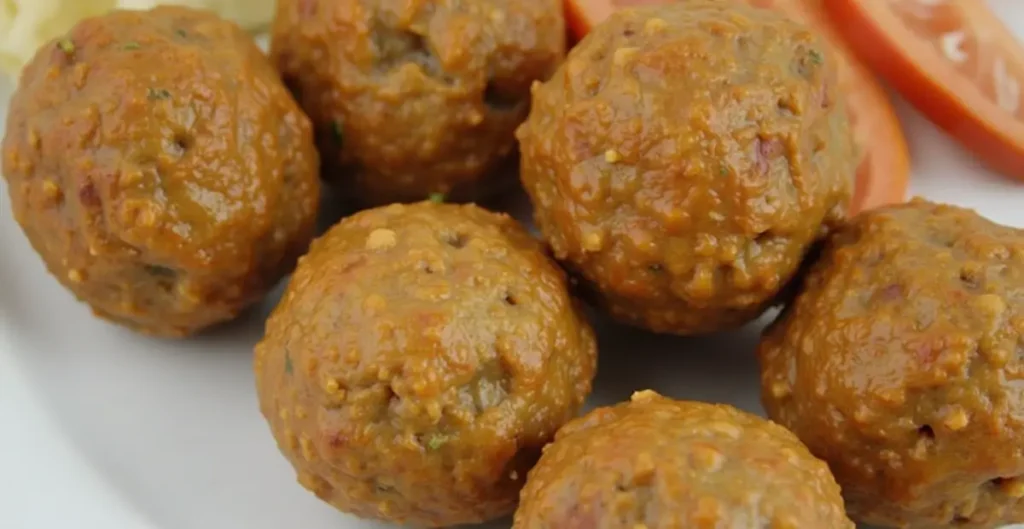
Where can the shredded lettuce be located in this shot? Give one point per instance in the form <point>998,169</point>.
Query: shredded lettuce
<point>25,25</point>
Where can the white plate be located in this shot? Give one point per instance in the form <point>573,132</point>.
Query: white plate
<point>101,428</point>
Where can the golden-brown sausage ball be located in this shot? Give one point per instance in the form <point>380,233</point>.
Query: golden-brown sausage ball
<point>900,364</point>
<point>685,157</point>
<point>417,97</point>
<point>657,463</point>
<point>160,168</point>
<point>421,357</point>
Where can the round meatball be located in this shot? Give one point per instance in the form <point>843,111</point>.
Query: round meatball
<point>421,357</point>
<point>685,157</point>
<point>899,364</point>
<point>160,168</point>
<point>417,97</point>
<point>662,464</point>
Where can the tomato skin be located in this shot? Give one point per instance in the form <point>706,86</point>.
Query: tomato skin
<point>997,142</point>
<point>883,175</point>
<point>576,21</point>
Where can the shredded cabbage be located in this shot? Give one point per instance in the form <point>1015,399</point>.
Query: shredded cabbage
<point>25,25</point>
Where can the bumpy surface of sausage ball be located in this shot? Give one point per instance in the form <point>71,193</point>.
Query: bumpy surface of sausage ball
<point>421,357</point>
<point>899,364</point>
<point>684,157</point>
<point>160,168</point>
<point>417,97</point>
<point>657,463</point>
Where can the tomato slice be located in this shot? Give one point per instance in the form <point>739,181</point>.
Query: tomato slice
<point>885,168</point>
<point>953,60</point>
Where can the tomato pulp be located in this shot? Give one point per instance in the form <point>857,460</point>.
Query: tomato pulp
<point>885,167</point>
<point>954,61</point>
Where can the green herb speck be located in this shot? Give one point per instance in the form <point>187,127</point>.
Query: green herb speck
<point>437,198</point>
<point>337,134</point>
<point>655,267</point>
<point>181,33</point>
<point>288,364</point>
<point>437,441</point>
<point>159,93</point>
<point>66,46</point>
<point>723,171</point>
<point>816,57</point>
<point>131,46</point>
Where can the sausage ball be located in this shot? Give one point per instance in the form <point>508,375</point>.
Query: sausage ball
<point>420,358</point>
<point>657,463</point>
<point>417,97</point>
<point>899,364</point>
<point>684,158</point>
<point>160,168</point>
